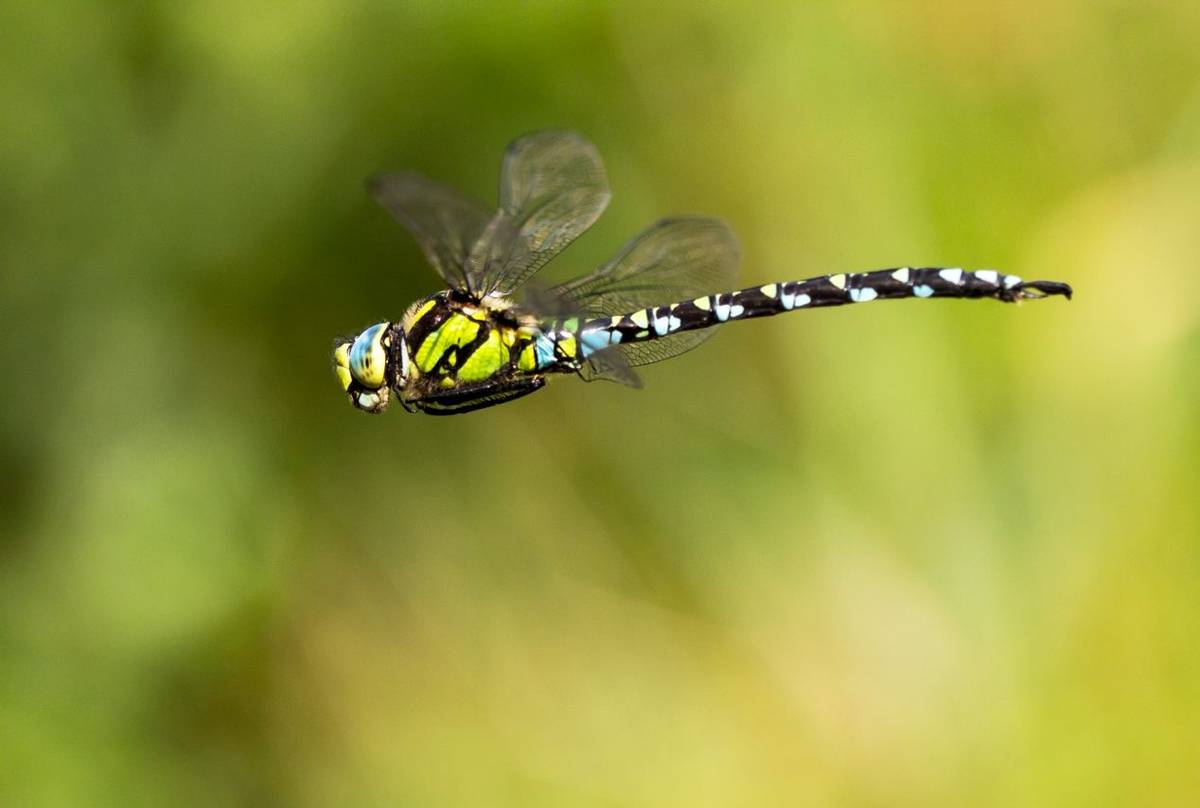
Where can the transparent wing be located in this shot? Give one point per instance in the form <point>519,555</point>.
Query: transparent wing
<point>445,223</point>
<point>670,261</point>
<point>646,353</point>
<point>610,366</point>
<point>673,260</point>
<point>552,188</point>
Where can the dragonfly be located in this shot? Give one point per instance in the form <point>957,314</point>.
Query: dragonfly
<point>493,335</point>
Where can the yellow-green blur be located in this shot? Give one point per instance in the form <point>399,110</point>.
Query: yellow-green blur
<point>922,553</point>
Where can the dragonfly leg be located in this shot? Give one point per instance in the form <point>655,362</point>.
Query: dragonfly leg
<point>477,396</point>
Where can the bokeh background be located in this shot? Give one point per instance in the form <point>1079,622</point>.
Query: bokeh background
<point>915,554</point>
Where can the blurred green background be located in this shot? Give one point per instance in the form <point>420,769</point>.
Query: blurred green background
<point>908,554</point>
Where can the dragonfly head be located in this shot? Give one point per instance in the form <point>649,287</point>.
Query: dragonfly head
<point>370,364</point>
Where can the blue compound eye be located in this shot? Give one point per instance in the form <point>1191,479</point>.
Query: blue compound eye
<point>368,357</point>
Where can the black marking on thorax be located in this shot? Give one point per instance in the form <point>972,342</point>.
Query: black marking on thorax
<point>429,322</point>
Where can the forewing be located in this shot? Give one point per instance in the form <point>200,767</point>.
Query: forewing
<point>552,188</point>
<point>445,223</point>
<point>672,261</point>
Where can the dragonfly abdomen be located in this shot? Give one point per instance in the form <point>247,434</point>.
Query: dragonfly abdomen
<point>826,290</point>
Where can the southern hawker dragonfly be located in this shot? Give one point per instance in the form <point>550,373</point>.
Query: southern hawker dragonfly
<point>491,337</point>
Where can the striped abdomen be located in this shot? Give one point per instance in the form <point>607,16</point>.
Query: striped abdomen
<point>827,290</point>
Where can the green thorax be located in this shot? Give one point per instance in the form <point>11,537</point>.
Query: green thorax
<point>452,341</point>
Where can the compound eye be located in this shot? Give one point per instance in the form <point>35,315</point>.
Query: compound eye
<point>341,364</point>
<point>368,357</point>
